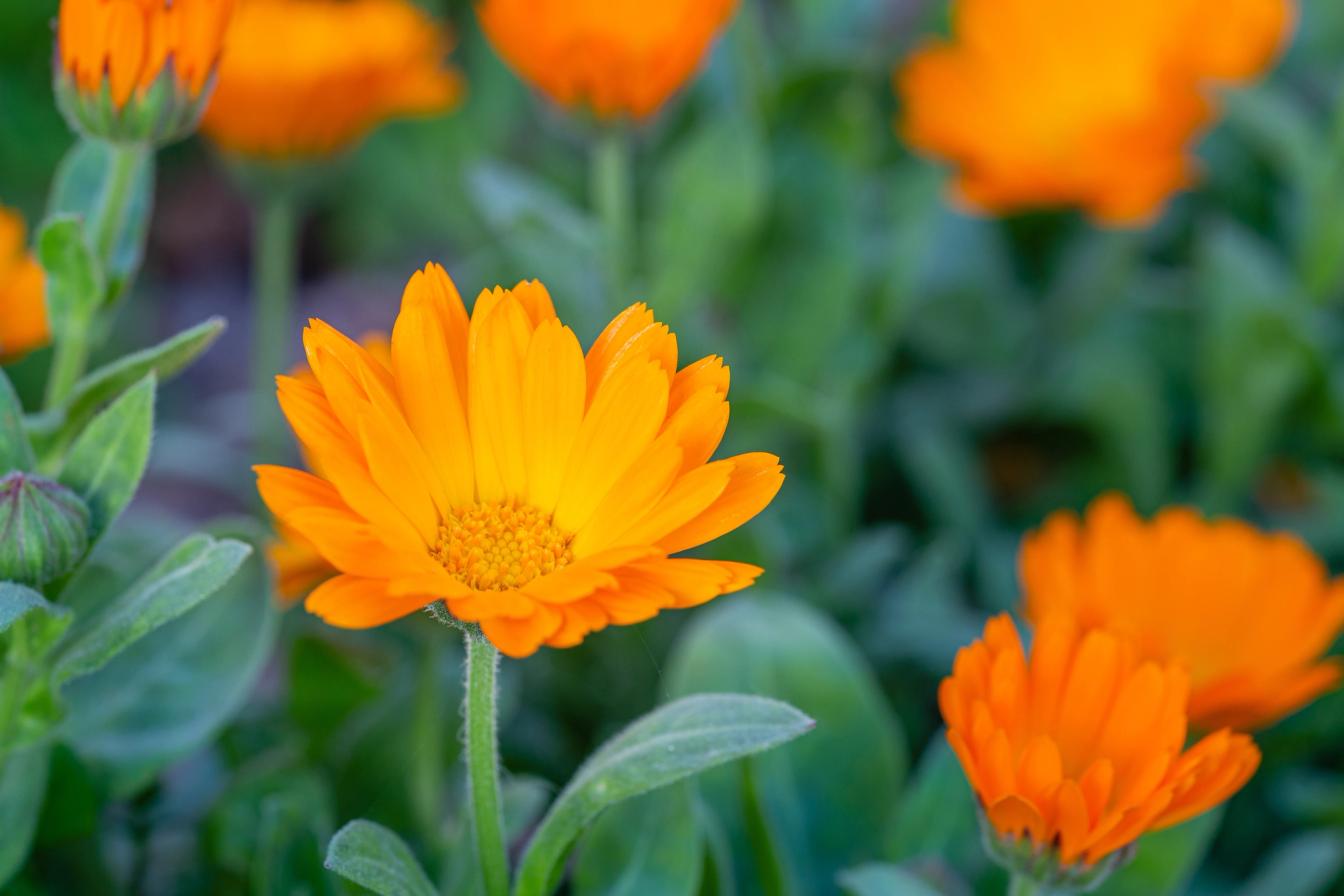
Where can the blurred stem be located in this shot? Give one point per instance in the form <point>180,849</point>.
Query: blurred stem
<point>483,764</point>
<point>70,357</point>
<point>427,733</point>
<point>13,680</point>
<point>109,220</point>
<point>1021,885</point>
<point>612,186</point>
<point>274,251</point>
<point>769,862</point>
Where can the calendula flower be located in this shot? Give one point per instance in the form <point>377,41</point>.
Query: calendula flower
<point>23,291</point>
<point>1249,614</point>
<point>616,57</point>
<point>1080,749</point>
<point>1081,102</point>
<point>307,78</point>
<point>137,70</point>
<point>535,490</point>
<point>297,564</point>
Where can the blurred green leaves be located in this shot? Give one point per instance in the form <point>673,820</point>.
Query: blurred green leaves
<point>377,859</point>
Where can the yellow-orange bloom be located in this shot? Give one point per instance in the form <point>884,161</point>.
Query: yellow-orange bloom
<point>615,56</point>
<point>306,78</point>
<point>160,53</point>
<point>1081,747</point>
<point>493,465</point>
<point>1249,614</point>
<point>23,292</point>
<point>1081,102</point>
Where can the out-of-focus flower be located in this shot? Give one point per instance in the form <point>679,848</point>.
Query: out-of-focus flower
<point>138,70</point>
<point>493,466</point>
<point>307,78</point>
<point>1249,614</point>
<point>298,566</point>
<point>617,57</point>
<point>23,292</point>
<point>1081,102</point>
<point>1079,750</point>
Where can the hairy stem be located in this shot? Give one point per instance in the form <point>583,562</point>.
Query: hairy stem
<point>483,764</point>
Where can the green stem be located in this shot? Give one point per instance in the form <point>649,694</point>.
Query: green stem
<point>612,186</point>
<point>70,357</point>
<point>483,764</point>
<point>274,257</point>
<point>109,219</point>
<point>1021,885</point>
<point>427,734</point>
<point>13,681</point>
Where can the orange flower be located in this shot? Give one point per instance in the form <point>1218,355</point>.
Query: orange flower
<point>23,292</point>
<point>1080,747</point>
<point>297,564</point>
<point>305,78</point>
<point>160,53</point>
<point>615,56</point>
<point>1248,614</point>
<point>494,466</point>
<point>1081,102</point>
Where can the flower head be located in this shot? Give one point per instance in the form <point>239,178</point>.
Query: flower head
<point>307,78</point>
<point>617,57</point>
<point>493,465</point>
<point>1081,102</point>
<point>1249,614</point>
<point>1081,747</point>
<point>138,70</point>
<point>23,292</point>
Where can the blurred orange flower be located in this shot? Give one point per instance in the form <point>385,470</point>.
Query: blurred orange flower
<point>23,292</point>
<point>306,78</point>
<point>1081,747</point>
<point>1080,102</point>
<point>1248,614</point>
<point>494,466</point>
<point>615,56</point>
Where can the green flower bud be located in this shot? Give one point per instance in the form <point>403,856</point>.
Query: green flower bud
<point>166,111</point>
<point>44,529</point>
<point>1042,866</point>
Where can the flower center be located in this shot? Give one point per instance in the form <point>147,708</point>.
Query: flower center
<point>500,545</point>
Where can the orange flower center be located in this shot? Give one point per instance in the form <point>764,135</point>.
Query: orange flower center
<point>500,545</point>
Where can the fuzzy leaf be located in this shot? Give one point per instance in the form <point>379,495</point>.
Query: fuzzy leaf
<point>377,859</point>
<point>74,278</point>
<point>15,452</point>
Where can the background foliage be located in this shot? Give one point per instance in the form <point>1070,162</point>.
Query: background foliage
<point>935,383</point>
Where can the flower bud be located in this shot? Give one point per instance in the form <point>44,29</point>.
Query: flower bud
<point>44,529</point>
<point>138,71</point>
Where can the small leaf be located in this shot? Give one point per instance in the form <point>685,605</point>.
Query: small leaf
<point>647,846</point>
<point>53,429</point>
<point>106,462</point>
<point>23,781</point>
<point>377,859</point>
<point>74,280</point>
<point>667,745</point>
<point>46,621</point>
<point>15,452</point>
<point>189,574</point>
<point>883,880</point>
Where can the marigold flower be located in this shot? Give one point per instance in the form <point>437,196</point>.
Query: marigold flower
<point>138,70</point>
<point>1081,102</point>
<point>307,78</point>
<point>1248,613</point>
<point>1080,748</point>
<point>493,465</point>
<point>614,56</point>
<point>23,292</point>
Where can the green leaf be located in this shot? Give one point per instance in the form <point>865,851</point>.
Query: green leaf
<point>172,691</point>
<point>51,430</point>
<point>1305,865</point>
<point>1166,861</point>
<point>106,462</point>
<point>782,648</point>
<point>80,189</point>
<point>936,813</point>
<point>883,880</point>
<point>15,452</point>
<point>46,621</point>
<point>646,846</point>
<point>23,781</point>
<point>74,279</point>
<point>671,743</point>
<point>377,859</point>
<point>189,574</point>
